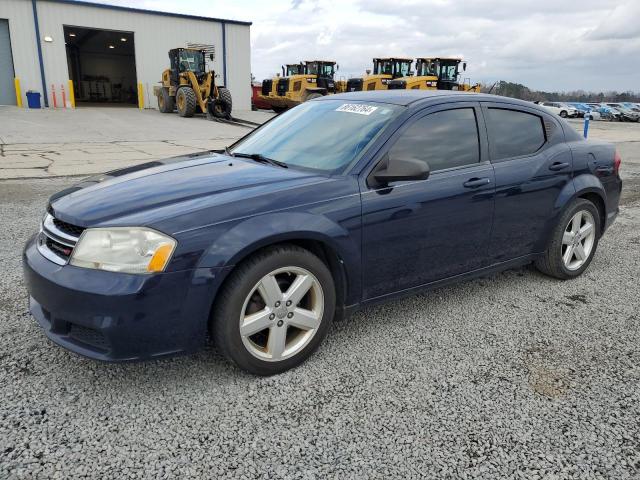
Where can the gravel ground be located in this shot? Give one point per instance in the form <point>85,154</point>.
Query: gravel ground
<point>511,376</point>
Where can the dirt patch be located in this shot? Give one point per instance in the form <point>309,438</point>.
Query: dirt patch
<point>545,378</point>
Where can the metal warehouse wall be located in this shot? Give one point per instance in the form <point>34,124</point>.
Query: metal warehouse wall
<point>154,35</point>
<point>23,43</point>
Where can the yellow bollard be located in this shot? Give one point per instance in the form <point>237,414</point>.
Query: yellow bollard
<point>16,82</point>
<point>72,95</point>
<point>140,96</point>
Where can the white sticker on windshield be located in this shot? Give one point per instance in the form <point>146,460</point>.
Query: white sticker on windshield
<point>358,108</point>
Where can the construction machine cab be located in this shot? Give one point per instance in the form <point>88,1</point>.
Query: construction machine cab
<point>294,69</point>
<point>384,70</point>
<point>395,67</point>
<point>446,69</point>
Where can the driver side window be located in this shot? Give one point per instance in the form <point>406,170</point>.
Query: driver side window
<point>444,139</point>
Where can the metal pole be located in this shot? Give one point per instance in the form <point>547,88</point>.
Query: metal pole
<point>42,77</point>
<point>587,114</point>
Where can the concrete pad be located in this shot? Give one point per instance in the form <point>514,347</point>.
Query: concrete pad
<point>37,143</point>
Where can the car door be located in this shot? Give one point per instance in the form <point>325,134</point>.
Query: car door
<point>418,232</point>
<point>533,164</point>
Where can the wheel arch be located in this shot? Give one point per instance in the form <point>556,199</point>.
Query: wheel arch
<point>326,239</point>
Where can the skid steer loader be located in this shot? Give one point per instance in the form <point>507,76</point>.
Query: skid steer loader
<point>315,80</point>
<point>384,69</point>
<point>187,86</point>
<point>438,73</point>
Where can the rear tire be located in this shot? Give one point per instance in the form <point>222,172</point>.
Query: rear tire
<point>253,322</point>
<point>567,256</point>
<point>166,102</point>
<point>278,109</point>
<point>563,114</point>
<point>186,100</point>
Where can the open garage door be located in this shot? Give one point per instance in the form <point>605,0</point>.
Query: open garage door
<point>7,90</point>
<point>102,65</point>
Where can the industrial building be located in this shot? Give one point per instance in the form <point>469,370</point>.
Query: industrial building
<point>110,54</point>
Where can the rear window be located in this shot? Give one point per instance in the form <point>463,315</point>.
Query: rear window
<point>513,133</point>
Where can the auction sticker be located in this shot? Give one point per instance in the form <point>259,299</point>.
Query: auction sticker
<point>358,108</point>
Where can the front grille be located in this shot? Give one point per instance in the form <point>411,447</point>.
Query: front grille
<point>58,248</point>
<point>68,228</point>
<point>57,239</point>
<point>354,85</point>
<point>267,85</point>
<point>89,336</point>
<point>282,87</point>
<point>397,85</point>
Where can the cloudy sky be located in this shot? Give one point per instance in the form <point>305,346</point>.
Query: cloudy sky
<point>544,44</point>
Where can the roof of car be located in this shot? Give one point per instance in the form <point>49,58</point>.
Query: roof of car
<point>408,97</point>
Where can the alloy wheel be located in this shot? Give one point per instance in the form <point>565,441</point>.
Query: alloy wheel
<point>578,240</point>
<point>281,314</point>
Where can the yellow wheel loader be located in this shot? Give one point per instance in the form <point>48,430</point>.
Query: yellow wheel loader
<point>315,80</point>
<point>384,69</point>
<point>288,70</point>
<point>187,86</point>
<point>437,73</point>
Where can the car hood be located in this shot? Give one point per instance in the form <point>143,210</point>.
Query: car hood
<point>169,184</point>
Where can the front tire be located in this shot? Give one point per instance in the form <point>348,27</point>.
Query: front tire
<point>221,106</point>
<point>574,241</point>
<point>563,114</point>
<point>274,310</point>
<point>186,101</point>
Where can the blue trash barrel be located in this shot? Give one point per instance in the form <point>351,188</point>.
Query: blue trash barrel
<point>33,99</point>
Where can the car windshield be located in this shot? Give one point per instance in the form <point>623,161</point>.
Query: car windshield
<point>326,136</point>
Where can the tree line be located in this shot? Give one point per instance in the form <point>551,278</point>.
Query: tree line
<point>516,90</point>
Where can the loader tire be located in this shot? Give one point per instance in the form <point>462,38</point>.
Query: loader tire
<point>223,104</point>
<point>186,100</point>
<point>166,103</point>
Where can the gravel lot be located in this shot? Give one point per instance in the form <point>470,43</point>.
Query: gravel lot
<point>510,376</point>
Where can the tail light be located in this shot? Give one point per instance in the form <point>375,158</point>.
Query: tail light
<point>616,162</point>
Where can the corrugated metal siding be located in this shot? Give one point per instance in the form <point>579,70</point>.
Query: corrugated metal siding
<point>154,36</point>
<point>23,43</point>
<point>239,65</point>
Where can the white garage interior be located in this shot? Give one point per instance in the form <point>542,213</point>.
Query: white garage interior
<point>53,42</point>
<point>102,66</point>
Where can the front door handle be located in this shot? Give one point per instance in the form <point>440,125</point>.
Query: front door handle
<point>476,182</point>
<point>558,166</point>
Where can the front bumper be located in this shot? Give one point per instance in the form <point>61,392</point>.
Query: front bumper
<point>119,317</point>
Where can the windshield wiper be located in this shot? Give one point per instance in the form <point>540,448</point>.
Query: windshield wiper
<point>261,158</point>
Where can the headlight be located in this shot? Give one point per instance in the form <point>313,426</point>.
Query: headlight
<point>123,249</point>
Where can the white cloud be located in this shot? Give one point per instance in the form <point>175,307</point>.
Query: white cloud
<point>546,44</point>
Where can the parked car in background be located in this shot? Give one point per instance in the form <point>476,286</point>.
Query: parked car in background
<point>606,112</point>
<point>627,113</point>
<point>561,109</point>
<point>340,203</point>
<point>632,106</point>
<point>583,109</point>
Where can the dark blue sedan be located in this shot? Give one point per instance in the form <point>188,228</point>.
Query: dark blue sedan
<point>339,203</point>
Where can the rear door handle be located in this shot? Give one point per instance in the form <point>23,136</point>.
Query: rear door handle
<point>476,182</point>
<point>605,170</point>
<point>558,166</point>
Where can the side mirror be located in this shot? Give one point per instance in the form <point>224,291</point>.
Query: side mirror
<point>337,67</point>
<point>211,57</point>
<point>464,66</point>
<point>401,169</point>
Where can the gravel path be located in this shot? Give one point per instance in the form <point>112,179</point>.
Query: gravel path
<point>510,376</point>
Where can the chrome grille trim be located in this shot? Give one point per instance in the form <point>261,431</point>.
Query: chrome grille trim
<point>57,234</point>
<point>48,230</point>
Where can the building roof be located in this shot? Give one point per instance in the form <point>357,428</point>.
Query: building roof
<point>150,12</point>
